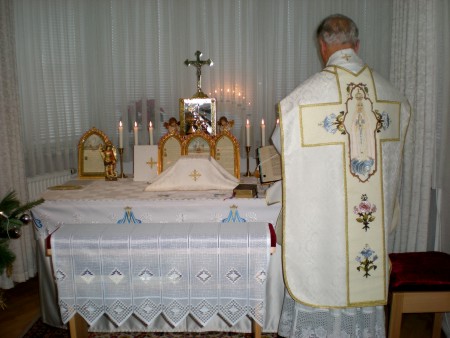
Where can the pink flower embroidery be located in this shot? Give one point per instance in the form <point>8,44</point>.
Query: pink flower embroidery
<point>365,211</point>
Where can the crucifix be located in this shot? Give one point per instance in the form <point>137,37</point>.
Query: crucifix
<point>198,65</point>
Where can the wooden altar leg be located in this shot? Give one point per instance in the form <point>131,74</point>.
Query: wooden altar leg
<point>78,327</point>
<point>256,329</point>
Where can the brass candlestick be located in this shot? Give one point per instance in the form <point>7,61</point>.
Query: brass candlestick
<point>247,150</point>
<point>122,175</point>
<point>256,172</point>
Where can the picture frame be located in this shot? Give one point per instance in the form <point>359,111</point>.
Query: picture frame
<point>223,147</point>
<point>198,114</point>
<point>90,161</point>
<point>170,149</point>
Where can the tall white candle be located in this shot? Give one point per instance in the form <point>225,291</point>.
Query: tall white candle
<point>150,132</point>
<point>247,133</point>
<point>120,135</point>
<point>136,135</point>
<point>263,133</point>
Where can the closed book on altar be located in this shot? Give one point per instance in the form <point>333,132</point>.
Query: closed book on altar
<point>245,191</point>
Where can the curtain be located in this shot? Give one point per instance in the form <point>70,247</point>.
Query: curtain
<point>443,123</point>
<point>89,63</point>
<point>414,71</point>
<point>12,165</point>
<point>442,242</point>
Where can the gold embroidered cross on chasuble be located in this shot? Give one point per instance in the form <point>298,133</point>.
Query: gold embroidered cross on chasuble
<point>355,128</point>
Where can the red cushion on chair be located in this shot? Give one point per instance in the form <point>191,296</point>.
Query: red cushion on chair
<point>420,271</point>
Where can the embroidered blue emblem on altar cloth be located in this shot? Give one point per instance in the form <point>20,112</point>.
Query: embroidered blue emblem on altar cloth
<point>233,216</point>
<point>128,217</point>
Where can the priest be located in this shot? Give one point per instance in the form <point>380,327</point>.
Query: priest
<point>341,137</point>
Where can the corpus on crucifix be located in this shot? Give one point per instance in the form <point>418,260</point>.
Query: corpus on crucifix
<point>198,64</point>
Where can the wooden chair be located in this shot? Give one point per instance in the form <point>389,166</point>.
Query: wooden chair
<point>419,283</point>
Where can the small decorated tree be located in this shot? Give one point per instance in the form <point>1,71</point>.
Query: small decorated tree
<point>12,216</point>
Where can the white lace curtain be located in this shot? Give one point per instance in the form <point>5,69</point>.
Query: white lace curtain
<point>413,71</point>
<point>443,122</point>
<point>420,48</point>
<point>12,164</point>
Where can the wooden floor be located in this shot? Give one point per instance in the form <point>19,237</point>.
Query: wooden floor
<point>23,309</point>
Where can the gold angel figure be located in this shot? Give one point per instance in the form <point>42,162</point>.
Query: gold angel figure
<point>224,124</point>
<point>173,126</point>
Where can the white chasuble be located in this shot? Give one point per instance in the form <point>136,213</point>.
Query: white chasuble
<point>336,200</point>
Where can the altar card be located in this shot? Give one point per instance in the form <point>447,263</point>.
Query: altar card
<point>145,162</point>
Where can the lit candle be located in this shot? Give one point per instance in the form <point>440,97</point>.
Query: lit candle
<point>263,133</point>
<point>136,135</point>
<point>247,133</point>
<point>150,131</point>
<point>120,135</point>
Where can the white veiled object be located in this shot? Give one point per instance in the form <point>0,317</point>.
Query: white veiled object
<point>194,172</point>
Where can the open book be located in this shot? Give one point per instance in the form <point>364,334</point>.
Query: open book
<point>269,164</point>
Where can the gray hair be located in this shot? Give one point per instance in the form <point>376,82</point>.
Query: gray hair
<point>338,29</point>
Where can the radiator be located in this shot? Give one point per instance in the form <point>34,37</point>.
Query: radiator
<point>38,184</point>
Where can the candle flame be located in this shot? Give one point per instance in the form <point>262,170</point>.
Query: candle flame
<point>120,123</point>
<point>248,122</point>
<point>135,123</point>
<point>150,124</point>
<point>262,122</point>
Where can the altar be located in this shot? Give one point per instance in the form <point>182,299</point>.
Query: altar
<point>124,202</point>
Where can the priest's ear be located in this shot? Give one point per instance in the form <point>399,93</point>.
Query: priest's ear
<point>323,51</point>
<point>356,47</point>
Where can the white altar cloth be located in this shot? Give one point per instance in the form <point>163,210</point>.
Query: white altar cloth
<point>200,269</point>
<point>124,201</point>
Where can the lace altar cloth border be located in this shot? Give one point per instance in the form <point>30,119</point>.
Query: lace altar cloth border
<point>145,270</point>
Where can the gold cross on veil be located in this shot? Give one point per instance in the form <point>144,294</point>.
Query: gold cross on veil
<point>195,175</point>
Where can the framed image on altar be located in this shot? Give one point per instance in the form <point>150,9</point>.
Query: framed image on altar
<point>199,143</point>
<point>198,114</point>
<point>226,152</point>
<point>90,161</point>
<point>169,150</point>
<point>223,147</point>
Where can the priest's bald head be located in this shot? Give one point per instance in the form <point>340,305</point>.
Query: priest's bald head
<point>336,32</point>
